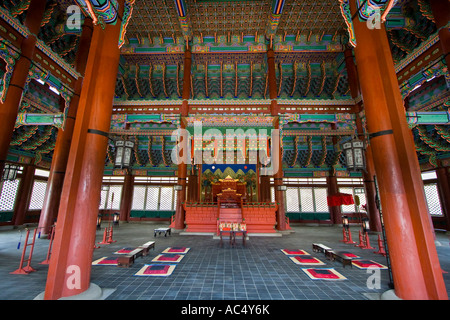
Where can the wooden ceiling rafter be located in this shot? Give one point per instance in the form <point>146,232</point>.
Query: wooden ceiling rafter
<point>150,85</point>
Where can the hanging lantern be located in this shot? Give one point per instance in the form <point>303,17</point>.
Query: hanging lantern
<point>354,155</point>
<point>124,149</point>
<point>10,172</point>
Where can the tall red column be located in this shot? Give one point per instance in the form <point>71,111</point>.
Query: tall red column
<point>127,197</point>
<point>415,265</point>
<point>10,107</point>
<point>182,165</point>
<point>443,184</point>
<point>182,174</point>
<point>333,188</point>
<point>371,193</point>
<point>70,264</point>
<point>50,207</point>
<point>278,175</point>
<point>186,81</point>
<point>24,194</point>
<point>441,15</point>
<point>368,174</point>
<point>272,79</point>
<point>278,181</point>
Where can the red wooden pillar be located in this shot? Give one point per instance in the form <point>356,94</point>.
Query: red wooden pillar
<point>192,189</point>
<point>441,15</point>
<point>277,163</point>
<point>182,174</point>
<point>24,194</point>
<point>371,193</point>
<point>333,188</point>
<point>10,107</point>
<point>443,184</point>
<point>70,264</point>
<point>272,79</point>
<point>62,146</point>
<point>186,81</point>
<point>415,265</point>
<point>127,197</point>
<point>274,110</point>
<point>368,174</point>
<point>265,189</point>
<point>182,165</point>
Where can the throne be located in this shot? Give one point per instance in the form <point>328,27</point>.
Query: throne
<point>229,190</point>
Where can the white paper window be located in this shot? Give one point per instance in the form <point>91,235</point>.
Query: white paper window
<point>152,198</point>
<point>306,200</point>
<point>432,197</point>
<point>38,195</point>
<point>138,198</point>
<point>320,199</point>
<point>8,195</point>
<point>166,199</point>
<point>292,203</point>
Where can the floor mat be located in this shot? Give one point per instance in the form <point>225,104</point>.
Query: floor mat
<point>106,261</point>
<point>124,250</point>
<point>306,260</point>
<point>348,254</point>
<point>168,258</point>
<point>156,270</point>
<point>294,252</point>
<point>323,274</point>
<point>365,264</point>
<point>179,250</point>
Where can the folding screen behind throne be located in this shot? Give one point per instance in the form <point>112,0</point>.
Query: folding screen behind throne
<point>228,181</point>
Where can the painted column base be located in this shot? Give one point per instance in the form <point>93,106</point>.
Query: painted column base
<point>94,292</point>
<point>389,295</point>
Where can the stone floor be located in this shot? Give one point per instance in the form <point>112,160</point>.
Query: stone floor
<point>258,271</point>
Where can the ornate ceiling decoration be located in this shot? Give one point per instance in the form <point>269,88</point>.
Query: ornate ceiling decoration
<point>229,40</point>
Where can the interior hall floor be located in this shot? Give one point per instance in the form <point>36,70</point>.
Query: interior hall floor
<point>257,271</point>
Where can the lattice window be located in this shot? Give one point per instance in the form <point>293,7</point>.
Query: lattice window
<point>433,200</point>
<point>110,197</point>
<point>114,197</point>
<point>166,198</point>
<point>38,195</point>
<point>292,201</point>
<point>320,199</point>
<point>175,194</point>
<point>152,198</point>
<point>138,198</point>
<point>306,200</point>
<point>8,195</point>
<point>362,196</point>
<point>103,197</point>
<point>355,191</point>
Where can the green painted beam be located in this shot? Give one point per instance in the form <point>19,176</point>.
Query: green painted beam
<point>428,117</point>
